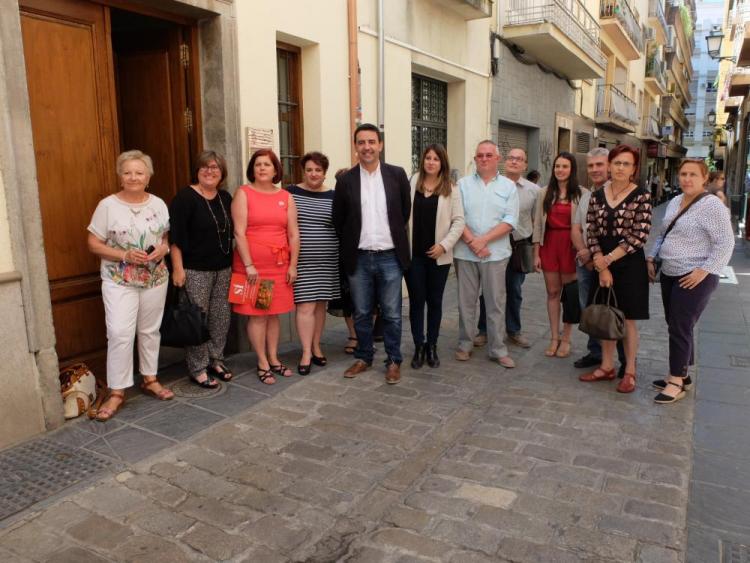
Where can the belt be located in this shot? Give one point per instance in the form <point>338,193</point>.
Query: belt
<point>369,251</point>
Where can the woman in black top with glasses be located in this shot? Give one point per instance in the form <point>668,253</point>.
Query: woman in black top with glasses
<point>201,237</point>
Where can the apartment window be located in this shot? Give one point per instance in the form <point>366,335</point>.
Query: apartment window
<point>290,111</point>
<point>429,115</point>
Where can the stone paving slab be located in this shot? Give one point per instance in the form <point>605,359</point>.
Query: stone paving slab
<point>469,462</point>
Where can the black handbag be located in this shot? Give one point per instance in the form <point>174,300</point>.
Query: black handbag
<point>522,256</point>
<point>602,320</point>
<point>184,323</point>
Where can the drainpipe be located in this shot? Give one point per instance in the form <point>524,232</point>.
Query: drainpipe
<point>381,72</point>
<point>355,102</point>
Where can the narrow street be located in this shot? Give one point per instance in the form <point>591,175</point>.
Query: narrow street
<point>468,462</point>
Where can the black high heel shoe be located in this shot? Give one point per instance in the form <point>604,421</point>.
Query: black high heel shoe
<point>303,369</point>
<point>419,353</point>
<point>432,356</point>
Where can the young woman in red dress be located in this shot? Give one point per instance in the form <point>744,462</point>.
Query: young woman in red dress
<point>554,254</point>
<point>267,248</point>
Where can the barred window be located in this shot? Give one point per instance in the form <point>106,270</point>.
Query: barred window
<point>290,111</point>
<point>429,115</point>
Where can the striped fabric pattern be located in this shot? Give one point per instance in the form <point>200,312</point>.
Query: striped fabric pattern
<point>318,265</point>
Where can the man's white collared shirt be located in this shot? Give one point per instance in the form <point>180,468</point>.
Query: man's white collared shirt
<point>376,231</point>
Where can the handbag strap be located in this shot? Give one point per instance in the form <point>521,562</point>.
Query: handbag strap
<point>681,213</point>
<point>610,296</point>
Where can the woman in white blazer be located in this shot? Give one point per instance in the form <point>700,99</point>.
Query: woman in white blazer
<point>435,224</point>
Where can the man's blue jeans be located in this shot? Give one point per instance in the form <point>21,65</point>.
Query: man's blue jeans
<point>377,281</point>
<point>513,299</point>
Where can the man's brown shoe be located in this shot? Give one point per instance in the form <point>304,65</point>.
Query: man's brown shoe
<point>506,362</point>
<point>393,373</point>
<point>480,340</point>
<point>356,368</point>
<point>462,356</point>
<point>518,339</point>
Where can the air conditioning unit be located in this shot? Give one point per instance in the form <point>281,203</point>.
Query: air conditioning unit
<point>649,34</point>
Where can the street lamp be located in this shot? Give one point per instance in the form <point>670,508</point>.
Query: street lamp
<point>711,118</point>
<point>713,42</point>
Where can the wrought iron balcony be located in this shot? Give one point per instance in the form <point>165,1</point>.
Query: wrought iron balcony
<point>618,20</point>
<point>561,34</point>
<point>614,109</point>
<point>650,128</point>
<point>656,80</point>
<point>658,19</point>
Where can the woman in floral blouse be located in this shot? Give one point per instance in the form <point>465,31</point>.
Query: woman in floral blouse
<point>619,219</point>
<point>128,231</point>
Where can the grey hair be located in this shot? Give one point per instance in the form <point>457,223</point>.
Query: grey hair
<point>598,151</point>
<point>490,142</point>
<point>135,155</point>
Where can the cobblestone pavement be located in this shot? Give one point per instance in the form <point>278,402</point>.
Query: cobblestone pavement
<point>467,463</point>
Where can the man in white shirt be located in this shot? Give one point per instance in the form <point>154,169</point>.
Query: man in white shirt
<point>481,255</point>
<point>515,166</point>
<point>371,207</point>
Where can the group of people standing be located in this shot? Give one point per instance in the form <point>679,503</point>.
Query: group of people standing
<point>313,244</point>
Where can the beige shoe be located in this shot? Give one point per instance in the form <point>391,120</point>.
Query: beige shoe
<point>506,362</point>
<point>462,356</point>
<point>480,340</point>
<point>518,339</point>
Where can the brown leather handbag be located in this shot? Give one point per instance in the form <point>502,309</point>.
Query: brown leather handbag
<point>603,321</point>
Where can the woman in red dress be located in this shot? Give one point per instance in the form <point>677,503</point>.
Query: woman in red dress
<point>267,248</point>
<point>554,253</point>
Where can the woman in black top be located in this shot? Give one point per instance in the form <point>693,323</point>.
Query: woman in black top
<point>435,224</point>
<point>201,236</point>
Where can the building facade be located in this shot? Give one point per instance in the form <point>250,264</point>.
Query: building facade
<point>704,86</point>
<point>730,147</point>
<point>600,73</point>
<point>171,78</point>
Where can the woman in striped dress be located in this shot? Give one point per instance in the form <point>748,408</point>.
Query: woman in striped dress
<point>318,266</point>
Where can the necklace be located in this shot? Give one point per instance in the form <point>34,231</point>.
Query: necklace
<point>219,230</point>
<point>616,195</point>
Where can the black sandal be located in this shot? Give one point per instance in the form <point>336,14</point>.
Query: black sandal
<point>664,399</point>
<point>264,375</point>
<point>225,375</point>
<point>303,369</point>
<point>208,383</point>
<point>319,360</point>
<point>281,370</point>
<point>349,349</point>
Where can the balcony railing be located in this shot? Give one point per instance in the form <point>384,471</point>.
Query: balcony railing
<point>621,10</point>
<point>656,68</point>
<point>650,127</point>
<point>656,10</point>
<point>613,104</point>
<point>569,16</point>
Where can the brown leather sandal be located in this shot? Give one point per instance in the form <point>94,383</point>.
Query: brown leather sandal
<point>104,413</point>
<point>599,374</point>
<point>554,344</point>
<point>627,385</point>
<point>163,394</point>
<point>563,350</point>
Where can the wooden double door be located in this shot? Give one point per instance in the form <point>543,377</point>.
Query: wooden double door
<point>101,80</point>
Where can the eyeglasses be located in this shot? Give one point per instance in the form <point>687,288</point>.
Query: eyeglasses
<point>515,159</point>
<point>622,164</point>
<point>485,155</point>
<point>211,168</point>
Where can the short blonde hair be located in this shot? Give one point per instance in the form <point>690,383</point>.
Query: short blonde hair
<point>135,155</point>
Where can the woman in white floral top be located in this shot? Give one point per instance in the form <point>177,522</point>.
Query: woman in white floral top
<point>128,231</point>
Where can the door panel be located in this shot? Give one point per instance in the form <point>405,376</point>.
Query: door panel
<point>151,92</point>
<point>68,72</point>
